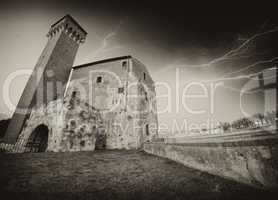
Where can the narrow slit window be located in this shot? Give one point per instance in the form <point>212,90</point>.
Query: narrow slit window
<point>147,130</point>
<point>146,96</point>
<point>144,75</point>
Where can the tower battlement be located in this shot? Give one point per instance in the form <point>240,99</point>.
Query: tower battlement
<point>69,26</point>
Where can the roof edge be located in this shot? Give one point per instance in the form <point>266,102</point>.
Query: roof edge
<point>102,61</point>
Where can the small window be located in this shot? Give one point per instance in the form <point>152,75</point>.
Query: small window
<point>99,79</point>
<point>144,74</point>
<point>146,96</point>
<point>121,90</point>
<point>147,130</point>
<point>124,65</point>
<point>82,143</point>
<point>73,94</point>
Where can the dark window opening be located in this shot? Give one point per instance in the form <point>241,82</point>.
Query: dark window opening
<point>124,65</point>
<point>144,76</point>
<point>147,130</point>
<point>82,143</point>
<point>73,94</point>
<point>121,90</point>
<point>146,96</point>
<point>99,79</point>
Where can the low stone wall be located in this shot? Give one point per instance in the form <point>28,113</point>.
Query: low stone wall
<point>252,162</point>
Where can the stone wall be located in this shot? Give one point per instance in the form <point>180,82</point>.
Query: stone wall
<point>251,162</point>
<point>122,97</point>
<point>106,99</point>
<point>73,126</point>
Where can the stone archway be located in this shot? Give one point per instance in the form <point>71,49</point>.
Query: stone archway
<point>38,139</point>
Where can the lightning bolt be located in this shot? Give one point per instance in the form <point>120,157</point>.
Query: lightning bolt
<point>233,54</point>
<point>248,76</point>
<point>269,61</point>
<point>237,52</point>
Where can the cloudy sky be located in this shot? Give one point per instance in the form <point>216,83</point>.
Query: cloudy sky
<point>168,39</point>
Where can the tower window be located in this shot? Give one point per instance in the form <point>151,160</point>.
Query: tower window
<point>73,94</point>
<point>124,65</point>
<point>121,90</point>
<point>147,130</point>
<point>144,75</point>
<point>146,96</point>
<point>99,79</point>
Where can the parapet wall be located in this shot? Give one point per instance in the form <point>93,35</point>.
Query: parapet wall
<point>254,162</point>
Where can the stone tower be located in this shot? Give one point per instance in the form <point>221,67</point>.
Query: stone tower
<point>50,74</point>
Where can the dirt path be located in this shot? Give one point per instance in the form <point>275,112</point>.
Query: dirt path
<point>110,175</point>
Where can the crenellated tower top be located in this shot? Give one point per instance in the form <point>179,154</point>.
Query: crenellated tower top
<point>69,26</point>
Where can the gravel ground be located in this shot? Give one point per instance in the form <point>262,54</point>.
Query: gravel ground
<point>111,175</point>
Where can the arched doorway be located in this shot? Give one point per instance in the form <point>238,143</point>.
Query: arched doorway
<point>38,139</point>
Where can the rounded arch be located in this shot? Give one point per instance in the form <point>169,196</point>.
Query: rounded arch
<point>38,140</point>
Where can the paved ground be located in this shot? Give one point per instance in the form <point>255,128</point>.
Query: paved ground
<point>110,175</point>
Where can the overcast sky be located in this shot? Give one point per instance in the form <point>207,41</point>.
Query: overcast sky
<point>164,38</point>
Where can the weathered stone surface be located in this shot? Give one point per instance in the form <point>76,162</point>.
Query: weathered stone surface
<point>106,104</point>
<point>124,97</point>
<point>73,125</point>
<point>254,163</point>
<point>117,113</point>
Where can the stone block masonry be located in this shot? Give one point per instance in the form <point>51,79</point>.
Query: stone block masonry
<point>251,162</point>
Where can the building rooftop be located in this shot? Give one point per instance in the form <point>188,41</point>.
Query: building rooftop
<point>102,61</point>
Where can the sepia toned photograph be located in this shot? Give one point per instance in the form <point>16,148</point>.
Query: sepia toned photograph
<point>137,100</point>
